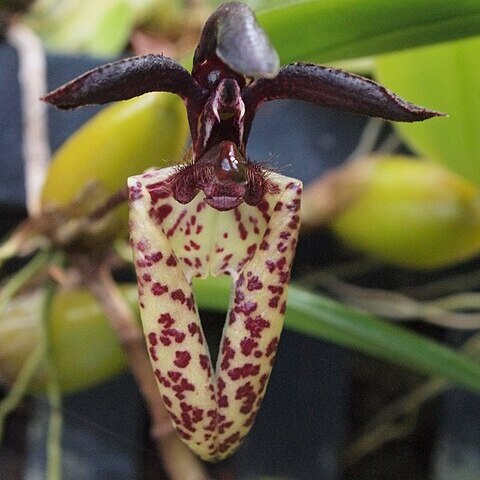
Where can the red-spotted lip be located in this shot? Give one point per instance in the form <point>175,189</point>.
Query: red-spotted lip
<point>223,202</point>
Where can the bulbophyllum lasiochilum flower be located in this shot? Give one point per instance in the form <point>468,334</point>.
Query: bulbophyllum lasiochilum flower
<point>220,213</point>
<point>212,408</point>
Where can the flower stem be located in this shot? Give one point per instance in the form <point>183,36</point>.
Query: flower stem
<point>17,281</point>
<point>11,401</point>
<point>55,423</point>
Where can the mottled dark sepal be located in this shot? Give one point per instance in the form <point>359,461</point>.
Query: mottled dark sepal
<point>125,79</point>
<point>334,88</point>
<point>234,36</point>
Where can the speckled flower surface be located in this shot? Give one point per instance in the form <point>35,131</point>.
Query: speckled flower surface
<point>212,407</point>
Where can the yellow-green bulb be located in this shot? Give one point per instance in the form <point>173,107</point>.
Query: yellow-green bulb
<point>84,348</point>
<point>411,213</point>
<point>124,139</point>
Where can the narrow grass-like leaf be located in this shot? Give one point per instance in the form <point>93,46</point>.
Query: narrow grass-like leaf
<point>329,30</point>
<point>321,317</point>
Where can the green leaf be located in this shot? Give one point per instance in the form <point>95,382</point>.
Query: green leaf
<point>444,77</point>
<point>98,28</point>
<point>321,317</point>
<point>329,30</point>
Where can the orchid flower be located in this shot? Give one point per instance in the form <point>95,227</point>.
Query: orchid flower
<point>220,214</point>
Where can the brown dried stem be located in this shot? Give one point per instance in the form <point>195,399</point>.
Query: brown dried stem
<point>178,461</point>
<point>453,311</point>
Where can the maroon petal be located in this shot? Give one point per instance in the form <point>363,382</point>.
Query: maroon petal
<point>234,36</point>
<point>125,79</point>
<point>330,87</point>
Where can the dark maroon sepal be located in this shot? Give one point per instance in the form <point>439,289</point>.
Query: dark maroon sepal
<point>125,79</point>
<point>334,88</point>
<point>221,104</point>
<point>234,36</point>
